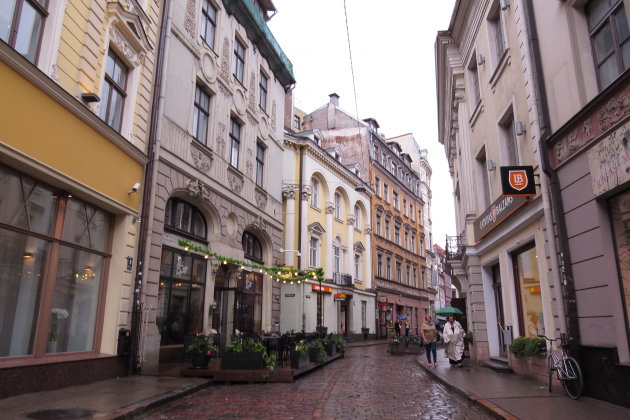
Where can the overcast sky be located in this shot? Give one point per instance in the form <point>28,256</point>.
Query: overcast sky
<point>394,67</point>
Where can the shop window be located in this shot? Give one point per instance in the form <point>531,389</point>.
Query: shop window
<point>527,283</point>
<point>184,218</point>
<point>620,218</point>
<point>38,223</point>
<point>252,247</point>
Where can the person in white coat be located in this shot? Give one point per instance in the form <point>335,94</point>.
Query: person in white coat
<point>453,341</point>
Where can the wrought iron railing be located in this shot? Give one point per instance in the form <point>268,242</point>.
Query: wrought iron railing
<point>342,279</point>
<point>454,247</point>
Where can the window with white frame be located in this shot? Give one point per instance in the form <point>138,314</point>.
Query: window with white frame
<point>408,278</point>
<point>411,212</point>
<point>415,277</point>
<point>201,115</point>
<point>263,83</point>
<point>378,224</point>
<point>239,60</point>
<point>21,25</point>
<point>235,142</point>
<point>484,181</point>
<point>397,234</point>
<point>315,192</point>
<point>377,186</point>
<point>473,83</point>
<point>114,91</point>
<point>387,229</point>
<point>314,252</point>
<point>379,265</point>
<point>357,215</point>
<point>208,26</point>
<point>388,268</point>
<point>424,284</point>
<point>357,267</point>
<point>404,207</point>
<point>406,244</point>
<point>338,206</point>
<point>337,257</point>
<point>260,163</point>
<point>413,242</point>
<point>385,192</point>
<point>296,122</point>
<point>509,139</point>
<point>395,199</point>
<point>398,271</point>
<point>610,38</point>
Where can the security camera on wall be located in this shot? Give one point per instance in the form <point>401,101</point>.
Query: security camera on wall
<point>134,188</point>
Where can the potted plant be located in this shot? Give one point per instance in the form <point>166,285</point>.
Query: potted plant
<point>414,345</point>
<point>339,342</point>
<point>317,351</point>
<point>331,345</point>
<point>246,354</point>
<point>396,345</point>
<point>299,355</point>
<point>527,358</point>
<point>201,352</point>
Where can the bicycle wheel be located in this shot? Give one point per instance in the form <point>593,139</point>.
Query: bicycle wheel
<point>574,383</point>
<point>549,370</point>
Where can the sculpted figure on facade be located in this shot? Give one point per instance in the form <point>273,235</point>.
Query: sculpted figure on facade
<point>201,160</point>
<point>330,208</point>
<point>261,199</point>
<point>236,182</point>
<point>198,190</point>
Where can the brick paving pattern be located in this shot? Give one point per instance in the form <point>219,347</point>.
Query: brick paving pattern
<point>366,384</point>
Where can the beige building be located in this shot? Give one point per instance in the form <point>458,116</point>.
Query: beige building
<point>504,256</point>
<point>74,126</point>
<point>215,179</point>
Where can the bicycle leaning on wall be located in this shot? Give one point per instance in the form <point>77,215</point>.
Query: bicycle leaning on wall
<point>566,367</point>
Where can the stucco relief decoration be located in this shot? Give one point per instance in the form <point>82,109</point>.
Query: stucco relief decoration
<point>189,19</point>
<point>198,190</point>
<point>252,92</point>
<point>123,46</point>
<point>306,192</point>
<point>251,118</point>
<point>208,67</point>
<point>239,101</point>
<point>261,199</point>
<point>201,160</point>
<point>128,6</point>
<point>288,193</point>
<point>259,223</point>
<point>249,167</point>
<point>613,112</point>
<point>273,116</point>
<point>609,160</point>
<point>236,182</point>
<point>367,230</point>
<point>221,140</point>
<point>263,128</point>
<point>330,208</point>
<point>225,90</point>
<point>351,219</point>
<point>225,59</point>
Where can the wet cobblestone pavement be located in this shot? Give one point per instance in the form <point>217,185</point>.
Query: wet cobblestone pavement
<point>366,384</point>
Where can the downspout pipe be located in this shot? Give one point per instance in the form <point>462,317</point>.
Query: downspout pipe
<point>567,286</point>
<point>148,192</point>
<point>299,229</point>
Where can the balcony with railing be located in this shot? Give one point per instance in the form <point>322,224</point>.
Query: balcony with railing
<point>342,279</point>
<point>454,248</point>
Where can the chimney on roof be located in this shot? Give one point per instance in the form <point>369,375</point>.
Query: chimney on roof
<point>334,99</point>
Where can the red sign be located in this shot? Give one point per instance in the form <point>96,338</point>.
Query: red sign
<point>518,180</point>
<point>322,289</point>
<point>340,296</point>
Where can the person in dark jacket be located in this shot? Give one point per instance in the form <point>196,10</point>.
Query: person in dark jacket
<point>397,328</point>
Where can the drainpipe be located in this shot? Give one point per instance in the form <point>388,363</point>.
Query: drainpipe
<point>568,315</point>
<point>299,232</point>
<point>148,196</point>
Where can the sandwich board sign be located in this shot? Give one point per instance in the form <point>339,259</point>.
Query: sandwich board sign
<point>518,181</point>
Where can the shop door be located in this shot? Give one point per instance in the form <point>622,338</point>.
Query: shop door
<point>498,306</point>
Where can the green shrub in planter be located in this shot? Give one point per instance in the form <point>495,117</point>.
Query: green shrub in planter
<point>528,347</point>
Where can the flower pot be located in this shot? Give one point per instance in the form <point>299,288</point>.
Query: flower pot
<point>331,349</point>
<point>297,361</point>
<point>314,355</point>
<point>396,348</point>
<point>242,361</point>
<point>199,360</point>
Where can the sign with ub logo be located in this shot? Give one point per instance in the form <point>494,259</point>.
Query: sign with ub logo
<point>518,181</point>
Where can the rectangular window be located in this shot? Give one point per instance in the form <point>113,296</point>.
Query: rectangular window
<point>404,207</point>
<point>357,267</point>
<point>473,82</point>
<point>377,186</point>
<point>398,272</point>
<point>413,243</point>
<point>378,224</point>
<point>385,192</point>
<point>509,138</point>
<point>201,113</point>
<point>337,259</point>
<point>262,97</point>
<point>610,39</point>
<point>315,193</point>
<point>397,234</point>
<point>379,265</point>
<point>239,60</point>
<point>114,91</point>
<point>395,199</point>
<point>21,24</point>
<point>388,268</point>
<point>260,164</point>
<point>208,24</point>
<point>496,33</point>
<point>411,212</point>
<point>314,252</point>
<point>406,240</point>
<point>387,229</point>
<point>415,277</point>
<point>235,141</point>
<point>296,122</point>
<point>338,206</point>
<point>482,168</point>
<point>408,275</point>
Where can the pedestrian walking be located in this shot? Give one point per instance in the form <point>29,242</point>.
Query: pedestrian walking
<point>429,336</point>
<point>407,328</point>
<point>453,334</point>
<point>397,327</point>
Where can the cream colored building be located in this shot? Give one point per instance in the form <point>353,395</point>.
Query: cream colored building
<point>327,224</point>
<point>504,256</point>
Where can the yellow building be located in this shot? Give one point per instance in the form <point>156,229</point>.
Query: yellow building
<point>73,129</point>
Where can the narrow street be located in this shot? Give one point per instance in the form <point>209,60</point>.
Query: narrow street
<point>366,384</point>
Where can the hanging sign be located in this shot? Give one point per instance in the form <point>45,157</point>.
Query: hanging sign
<point>494,215</point>
<point>321,289</point>
<point>340,297</point>
<point>518,181</point>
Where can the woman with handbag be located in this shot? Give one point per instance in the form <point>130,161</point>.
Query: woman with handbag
<point>453,334</point>
<point>430,337</point>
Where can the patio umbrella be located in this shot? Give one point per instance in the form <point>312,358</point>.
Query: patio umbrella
<point>449,311</point>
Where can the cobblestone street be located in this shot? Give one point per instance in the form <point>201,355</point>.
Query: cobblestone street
<point>366,384</point>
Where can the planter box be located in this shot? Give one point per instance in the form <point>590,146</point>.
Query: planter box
<point>297,361</point>
<point>313,355</point>
<point>242,361</point>
<point>331,349</point>
<point>414,348</point>
<point>199,360</point>
<point>398,348</point>
<point>532,367</point>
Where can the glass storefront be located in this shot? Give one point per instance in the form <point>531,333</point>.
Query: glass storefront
<point>620,219</point>
<point>528,289</point>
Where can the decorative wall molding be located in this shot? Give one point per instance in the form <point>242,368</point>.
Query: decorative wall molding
<point>124,47</point>
<point>330,208</point>
<point>235,179</point>
<point>260,224</point>
<point>198,189</point>
<point>261,198</point>
<point>190,20</point>
<point>202,159</point>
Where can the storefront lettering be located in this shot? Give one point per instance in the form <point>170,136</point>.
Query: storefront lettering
<point>500,210</point>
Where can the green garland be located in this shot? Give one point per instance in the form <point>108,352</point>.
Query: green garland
<point>285,275</point>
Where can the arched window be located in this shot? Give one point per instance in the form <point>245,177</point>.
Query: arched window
<point>338,206</point>
<point>184,218</point>
<point>315,192</point>
<point>252,247</point>
<point>357,214</point>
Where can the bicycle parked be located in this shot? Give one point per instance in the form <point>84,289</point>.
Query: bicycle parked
<point>567,368</point>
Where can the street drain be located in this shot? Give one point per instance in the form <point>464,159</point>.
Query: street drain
<point>61,414</point>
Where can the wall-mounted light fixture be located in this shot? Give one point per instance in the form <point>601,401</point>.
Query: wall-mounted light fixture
<point>134,188</point>
<point>504,4</point>
<point>299,254</point>
<point>89,98</point>
<point>490,165</point>
<point>519,128</point>
<point>480,60</point>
